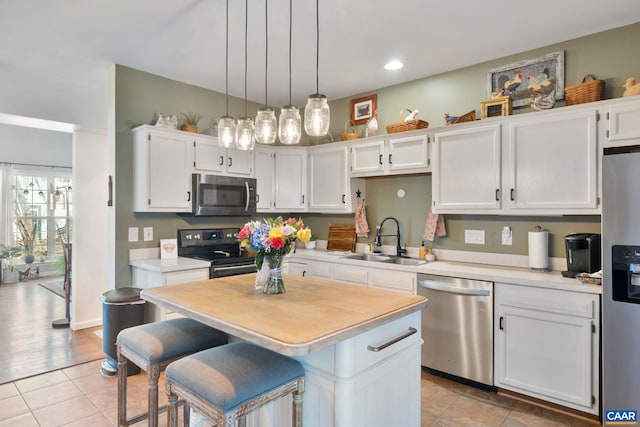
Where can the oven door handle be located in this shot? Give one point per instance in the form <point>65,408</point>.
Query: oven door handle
<point>246,187</point>
<point>454,289</point>
<point>233,267</point>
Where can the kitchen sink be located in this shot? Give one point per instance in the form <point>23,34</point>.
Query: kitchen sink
<point>386,258</point>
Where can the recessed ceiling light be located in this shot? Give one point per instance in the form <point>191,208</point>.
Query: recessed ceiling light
<point>393,65</point>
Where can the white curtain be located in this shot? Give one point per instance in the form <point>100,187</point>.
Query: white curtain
<point>6,205</point>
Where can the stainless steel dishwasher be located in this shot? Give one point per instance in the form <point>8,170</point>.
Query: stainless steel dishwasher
<point>457,327</point>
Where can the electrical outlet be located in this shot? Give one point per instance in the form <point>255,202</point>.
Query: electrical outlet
<point>147,233</point>
<point>133,234</point>
<point>474,237</point>
<point>507,235</point>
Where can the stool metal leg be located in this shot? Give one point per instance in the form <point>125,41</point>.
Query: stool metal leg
<point>122,388</point>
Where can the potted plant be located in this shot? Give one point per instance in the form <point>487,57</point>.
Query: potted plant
<point>189,122</point>
<point>27,228</point>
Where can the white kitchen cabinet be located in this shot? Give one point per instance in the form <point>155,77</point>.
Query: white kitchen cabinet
<point>623,123</point>
<point>467,170</point>
<point>296,268</point>
<point>547,344</point>
<point>393,280</point>
<point>152,273</point>
<point>290,180</point>
<point>330,187</point>
<point>350,274</point>
<point>209,157</point>
<point>538,164</point>
<point>264,174</point>
<point>551,163</point>
<point>391,155</point>
<point>162,160</point>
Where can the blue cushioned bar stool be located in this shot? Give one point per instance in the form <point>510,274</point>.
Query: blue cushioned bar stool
<point>152,347</point>
<point>228,382</point>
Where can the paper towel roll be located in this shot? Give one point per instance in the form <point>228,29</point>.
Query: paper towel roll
<point>539,250</point>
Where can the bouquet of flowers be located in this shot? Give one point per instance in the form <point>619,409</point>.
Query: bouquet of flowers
<point>274,236</point>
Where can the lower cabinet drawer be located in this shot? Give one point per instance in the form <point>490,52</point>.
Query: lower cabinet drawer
<point>350,275</point>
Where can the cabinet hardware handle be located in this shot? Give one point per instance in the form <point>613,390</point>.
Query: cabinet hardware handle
<point>110,196</point>
<point>257,198</point>
<point>512,194</point>
<point>221,160</point>
<point>497,194</point>
<point>393,341</point>
<point>188,196</point>
<point>501,323</point>
<point>230,162</point>
<point>304,273</point>
<point>390,158</point>
<point>380,159</point>
<point>302,202</point>
<point>343,199</point>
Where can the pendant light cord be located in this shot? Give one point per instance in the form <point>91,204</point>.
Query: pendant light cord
<point>290,33</point>
<point>246,30</point>
<point>226,59</point>
<point>317,47</point>
<point>266,50</point>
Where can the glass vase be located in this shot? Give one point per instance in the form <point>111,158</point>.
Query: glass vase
<point>274,283</point>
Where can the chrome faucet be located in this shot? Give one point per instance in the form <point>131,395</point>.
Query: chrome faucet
<point>379,235</point>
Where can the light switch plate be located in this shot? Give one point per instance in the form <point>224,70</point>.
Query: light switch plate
<point>474,237</point>
<point>133,234</point>
<point>147,234</point>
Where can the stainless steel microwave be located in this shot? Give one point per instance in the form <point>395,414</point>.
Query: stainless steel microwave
<point>215,195</point>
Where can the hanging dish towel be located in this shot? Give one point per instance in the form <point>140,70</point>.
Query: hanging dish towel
<point>362,227</point>
<point>434,227</point>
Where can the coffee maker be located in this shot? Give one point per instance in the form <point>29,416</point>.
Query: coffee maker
<point>583,253</point>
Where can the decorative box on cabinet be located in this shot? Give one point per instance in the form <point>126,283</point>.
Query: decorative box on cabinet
<point>162,162</point>
<point>391,155</point>
<point>547,344</point>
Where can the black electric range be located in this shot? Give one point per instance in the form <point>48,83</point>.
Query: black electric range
<point>220,247</point>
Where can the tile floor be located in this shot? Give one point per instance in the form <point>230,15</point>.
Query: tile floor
<point>80,396</point>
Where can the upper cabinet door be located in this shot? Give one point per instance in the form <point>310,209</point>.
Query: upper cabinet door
<point>239,162</point>
<point>467,170</point>
<point>208,156</point>
<point>552,162</point>
<point>291,179</point>
<point>624,123</point>
<point>264,173</point>
<point>367,158</point>
<point>328,179</point>
<point>408,153</point>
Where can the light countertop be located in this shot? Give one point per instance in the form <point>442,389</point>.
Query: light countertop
<point>311,314</point>
<point>467,270</point>
<point>169,265</point>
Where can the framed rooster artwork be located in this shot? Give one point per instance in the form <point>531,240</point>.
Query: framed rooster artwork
<point>521,80</point>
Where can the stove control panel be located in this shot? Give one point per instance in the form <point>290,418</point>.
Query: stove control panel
<point>207,237</point>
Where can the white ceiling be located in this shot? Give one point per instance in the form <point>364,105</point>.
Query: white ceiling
<point>184,39</point>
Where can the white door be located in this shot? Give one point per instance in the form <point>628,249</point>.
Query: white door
<point>544,353</point>
<point>624,125</point>
<point>367,158</point>
<point>552,163</point>
<point>169,172</point>
<point>264,173</point>
<point>291,179</point>
<point>408,153</point>
<point>208,156</point>
<point>467,170</point>
<point>328,179</point>
<point>239,162</point>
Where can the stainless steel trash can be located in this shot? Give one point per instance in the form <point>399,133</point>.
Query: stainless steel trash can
<point>121,308</point>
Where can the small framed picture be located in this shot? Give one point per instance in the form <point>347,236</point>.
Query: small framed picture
<point>362,109</point>
<point>168,248</point>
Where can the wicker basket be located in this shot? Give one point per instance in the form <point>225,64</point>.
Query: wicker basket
<point>468,117</point>
<point>349,132</point>
<point>189,128</point>
<point>403,126</point>
<point>589,90</point>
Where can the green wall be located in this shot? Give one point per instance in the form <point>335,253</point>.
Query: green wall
<point>138,96</point>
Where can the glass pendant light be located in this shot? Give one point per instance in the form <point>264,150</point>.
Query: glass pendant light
<point>316,112</point>
<point>226,124</point>
<point>245,130</point>
<point>290,127</point>
<point>266,122</point>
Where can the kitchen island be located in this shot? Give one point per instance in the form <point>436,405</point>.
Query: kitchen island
<point>360,347</point>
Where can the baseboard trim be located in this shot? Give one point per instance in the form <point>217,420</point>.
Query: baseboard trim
<point>86,324</point>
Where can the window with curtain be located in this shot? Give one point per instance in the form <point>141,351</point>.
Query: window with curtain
<point>42,211</point>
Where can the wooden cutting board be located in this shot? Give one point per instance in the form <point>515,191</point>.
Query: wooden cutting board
<point>342,238</point>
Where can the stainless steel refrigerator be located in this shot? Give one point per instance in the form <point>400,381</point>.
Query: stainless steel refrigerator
<point>621,279</point>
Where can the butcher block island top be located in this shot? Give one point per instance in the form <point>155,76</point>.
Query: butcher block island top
<point>311,314</point>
